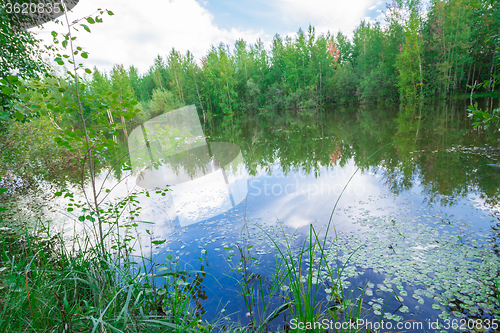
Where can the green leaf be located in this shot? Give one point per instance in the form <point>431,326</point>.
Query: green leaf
<point>90,20</point>
<point>88,71</point>
<point>12,78</point>
<point>85,27</point>
<point>81,218</point>
<point>85,55</point>
<point>2,190</point>
<point>7,90</point>
<point>4,115</point>
<point>169,257</point>
<point>59,61</point>
<point>19,115</point>
<point>23,90</point>
<point>110,13</point>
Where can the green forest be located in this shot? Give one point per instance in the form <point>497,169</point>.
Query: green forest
<point>448,50</point>
<point>406,57</point>
<point>444,53</point>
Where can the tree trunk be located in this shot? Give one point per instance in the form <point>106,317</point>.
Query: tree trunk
<point>491,70</point>
<point>179,87</point>
<point>110,119</point>
<point>199,98</point>
<point>124,127</point>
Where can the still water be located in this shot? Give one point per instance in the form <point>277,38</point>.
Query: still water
<point>405,197</point>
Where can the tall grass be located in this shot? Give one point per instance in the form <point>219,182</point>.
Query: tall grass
<point>297,288</point>
<point>45,289</point>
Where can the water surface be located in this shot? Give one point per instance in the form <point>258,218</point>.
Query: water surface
<point>416,226</point>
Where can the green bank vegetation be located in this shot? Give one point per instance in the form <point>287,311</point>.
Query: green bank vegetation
<point>448,51</point>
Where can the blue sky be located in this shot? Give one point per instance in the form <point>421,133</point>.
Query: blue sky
<point>272,15</point>
<point>141,30</point>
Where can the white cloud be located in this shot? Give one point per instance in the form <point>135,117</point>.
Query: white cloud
<point>139,31</point>
<point>326,15</point>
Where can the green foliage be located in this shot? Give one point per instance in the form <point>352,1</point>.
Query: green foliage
<point>410,80</point>
<point>482,117</point>
<point>45,287</point>
<point>162,101</point>
<point>21,58</point>
<point>95,286</point>
<point>448,39</point>
<point>412,56</point>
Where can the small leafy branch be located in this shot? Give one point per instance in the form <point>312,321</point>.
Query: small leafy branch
<point>93,142</point>
<point>92,134</point>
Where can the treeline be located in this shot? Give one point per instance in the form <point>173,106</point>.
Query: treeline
<point>313,140</point>
<point>416,53</point>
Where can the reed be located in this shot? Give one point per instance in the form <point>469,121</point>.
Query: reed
<point>44,288</point>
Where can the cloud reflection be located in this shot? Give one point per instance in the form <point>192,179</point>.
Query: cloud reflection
<point>205,179</point>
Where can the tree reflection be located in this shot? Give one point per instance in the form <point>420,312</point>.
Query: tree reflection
<point>434,145</point>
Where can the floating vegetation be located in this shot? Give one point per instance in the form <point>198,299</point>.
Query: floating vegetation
<point>423,262</point>
<point>452,268</point>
